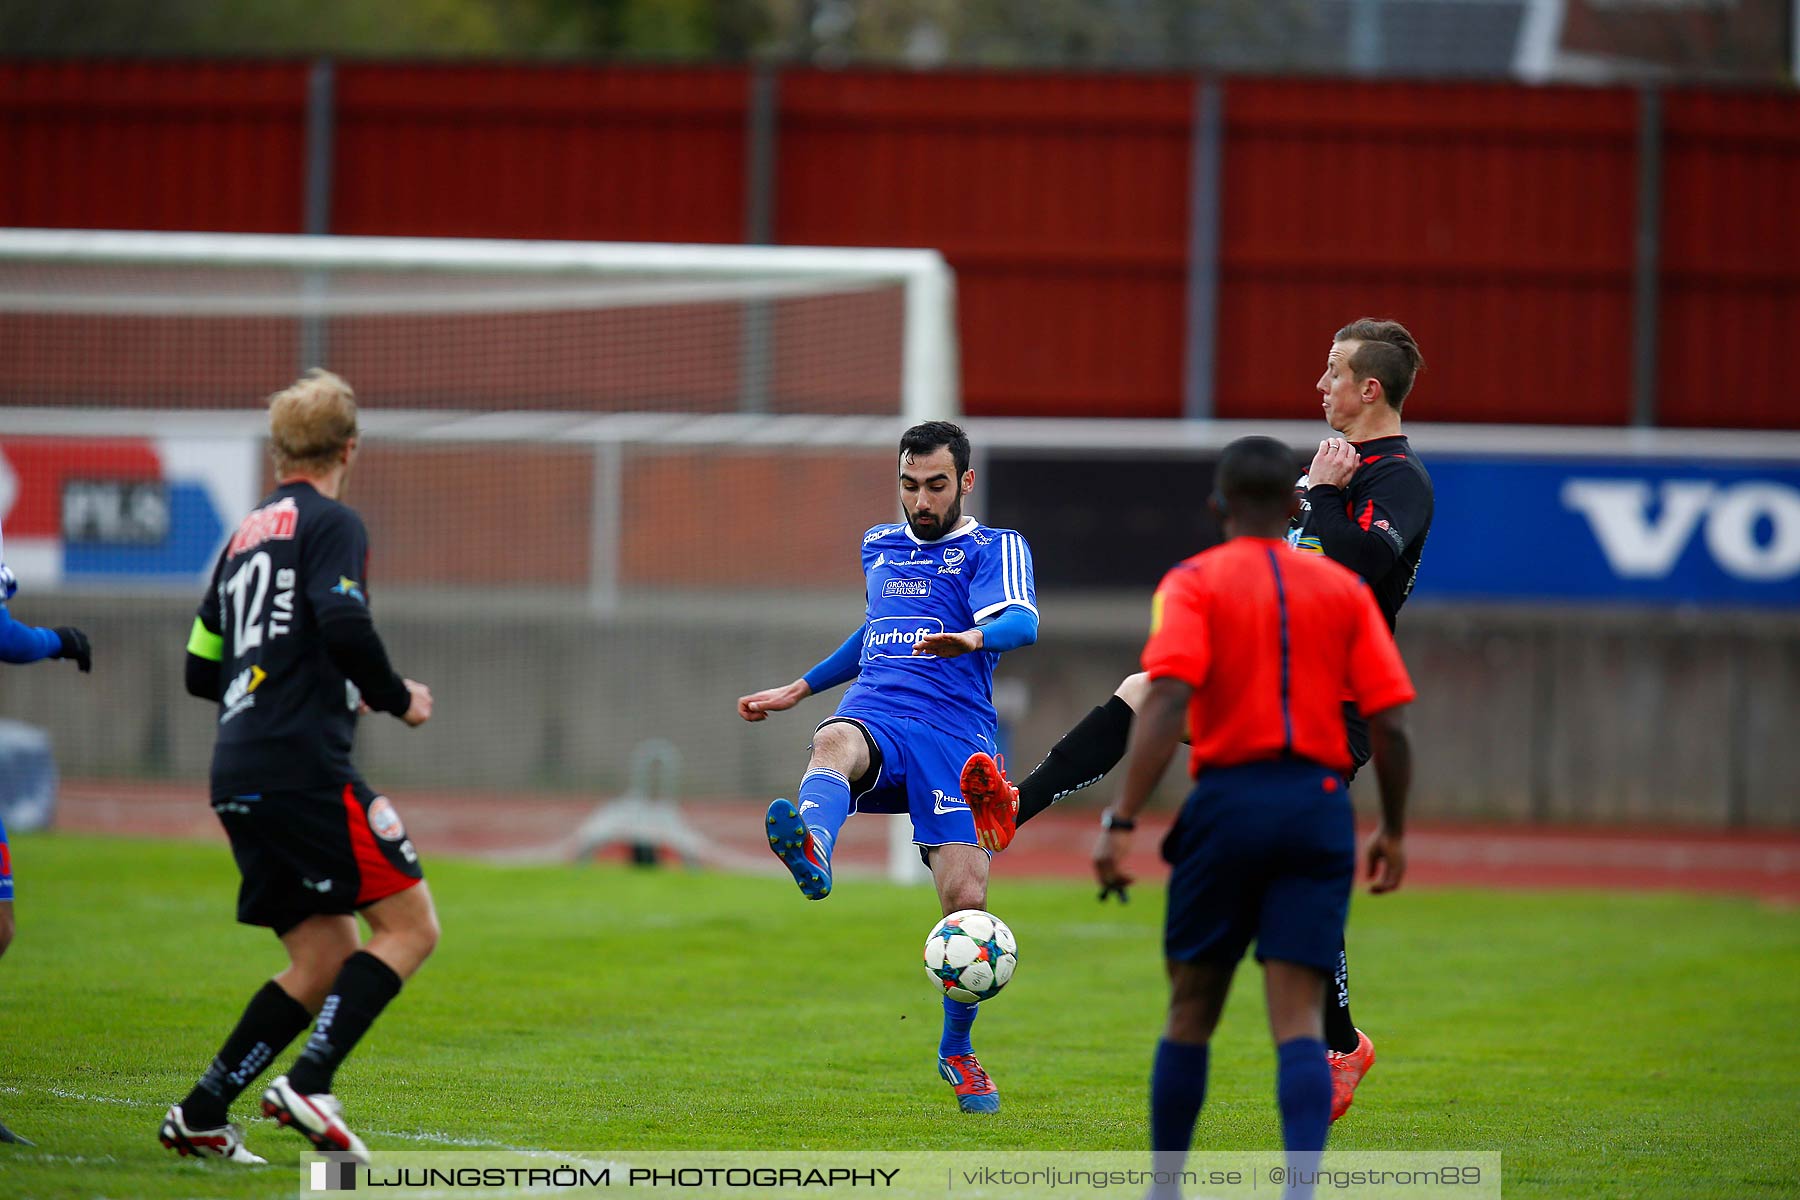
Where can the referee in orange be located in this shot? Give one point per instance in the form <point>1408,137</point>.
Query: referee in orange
<point>1264,849</point>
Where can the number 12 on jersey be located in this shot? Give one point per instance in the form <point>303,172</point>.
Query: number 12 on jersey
<point>242,597</point>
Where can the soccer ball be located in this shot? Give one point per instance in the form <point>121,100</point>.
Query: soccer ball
<point>971,954</point>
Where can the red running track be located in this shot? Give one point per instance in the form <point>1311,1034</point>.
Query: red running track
<point>1761,863</point>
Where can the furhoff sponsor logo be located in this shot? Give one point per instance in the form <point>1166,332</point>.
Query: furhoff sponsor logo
<point>894,637</point>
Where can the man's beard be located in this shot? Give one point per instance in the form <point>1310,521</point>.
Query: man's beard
<point>937,529</point>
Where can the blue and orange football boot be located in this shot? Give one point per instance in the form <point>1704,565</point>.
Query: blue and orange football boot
<point>975,1092</point>
<point>794,844</point>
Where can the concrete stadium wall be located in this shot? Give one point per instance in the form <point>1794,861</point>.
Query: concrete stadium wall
<point>1525,715</point>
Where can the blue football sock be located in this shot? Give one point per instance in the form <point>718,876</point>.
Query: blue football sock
<point>958,1019</point>
<point>824,805</point>
<point>1303,1089</point>
<point>1177,1090</point>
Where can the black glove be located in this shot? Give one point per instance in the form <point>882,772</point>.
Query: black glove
<point>75,645</point>
<point>1116,889</point>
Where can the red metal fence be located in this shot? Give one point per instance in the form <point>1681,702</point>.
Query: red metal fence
<point>1061,201</point>
<point>1496,221</point>
<point>1730,294</point>
<point>622,154</point>
<point>194,146</point>
<point>1500,222</point>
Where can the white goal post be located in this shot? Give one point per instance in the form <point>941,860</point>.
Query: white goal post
<point>568,274</point>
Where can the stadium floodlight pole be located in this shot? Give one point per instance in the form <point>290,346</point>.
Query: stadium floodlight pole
<point>928,349</point>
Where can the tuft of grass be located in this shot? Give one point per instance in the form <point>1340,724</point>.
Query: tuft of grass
<point>1607,1045</point>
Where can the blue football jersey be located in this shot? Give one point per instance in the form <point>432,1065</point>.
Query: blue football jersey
<point>915,588</point>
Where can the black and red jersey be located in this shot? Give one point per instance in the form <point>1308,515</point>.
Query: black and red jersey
<point>289,584</point>
<point>1376,526</point>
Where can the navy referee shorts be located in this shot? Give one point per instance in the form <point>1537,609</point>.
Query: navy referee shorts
<point>1264,852</point>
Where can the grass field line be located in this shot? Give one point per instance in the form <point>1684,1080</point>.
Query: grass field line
<point>30,1154</point>
<point>433,1138</point>
<point>64,1094</point>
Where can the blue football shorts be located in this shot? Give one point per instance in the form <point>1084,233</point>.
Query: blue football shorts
<point>1263,852</point>
<point>6,886</point>
<point>920,774</point>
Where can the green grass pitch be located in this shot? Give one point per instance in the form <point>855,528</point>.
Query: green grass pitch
<point>1608,1045</point>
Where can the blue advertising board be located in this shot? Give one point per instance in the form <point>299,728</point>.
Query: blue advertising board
<point>125,512</point>
<point>1614,529</point>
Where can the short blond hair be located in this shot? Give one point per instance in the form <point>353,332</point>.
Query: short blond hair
<point>310,422</point>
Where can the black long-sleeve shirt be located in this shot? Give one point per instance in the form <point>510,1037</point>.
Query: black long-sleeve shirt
<point>285,644</point>
<point>1376,526</point>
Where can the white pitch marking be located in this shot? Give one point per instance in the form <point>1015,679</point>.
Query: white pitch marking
<point>443,1139</point>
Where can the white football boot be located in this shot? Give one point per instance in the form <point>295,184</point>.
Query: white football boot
<point>318,1118</point>
<point>226,1142</point>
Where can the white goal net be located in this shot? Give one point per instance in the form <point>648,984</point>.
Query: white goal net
<point>609,487</point>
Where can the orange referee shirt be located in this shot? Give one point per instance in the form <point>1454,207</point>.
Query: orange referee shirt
<point>1272,642</point>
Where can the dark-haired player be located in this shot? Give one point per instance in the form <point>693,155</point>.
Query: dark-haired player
<point>1365,502</point>
<point>285,645</point>
<point>946,596</point>
<point>1264,849</point>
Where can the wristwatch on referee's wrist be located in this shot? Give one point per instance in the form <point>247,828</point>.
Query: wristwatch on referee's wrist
<point>1112,822</point>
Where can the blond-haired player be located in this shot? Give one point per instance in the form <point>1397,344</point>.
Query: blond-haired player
<point>285,645</point>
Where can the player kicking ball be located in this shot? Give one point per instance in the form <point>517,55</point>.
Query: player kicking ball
<point>1366,502</point>
<point>946,596</point>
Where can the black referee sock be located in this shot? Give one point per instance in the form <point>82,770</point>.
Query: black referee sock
<point>364,986</point>
<point>270,1021</point>
<point>1082,758</point>
<point>1340,1030</point>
